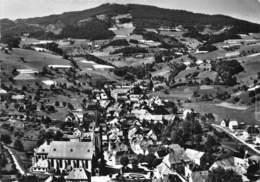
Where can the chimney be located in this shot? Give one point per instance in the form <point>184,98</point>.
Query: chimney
<point>48,141</point>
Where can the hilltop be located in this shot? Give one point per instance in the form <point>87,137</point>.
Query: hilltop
<point>94,23</point>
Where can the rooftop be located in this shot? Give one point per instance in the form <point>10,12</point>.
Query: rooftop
<point>67,149</point>
<point>77,174</point>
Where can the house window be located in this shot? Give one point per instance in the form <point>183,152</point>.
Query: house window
<point>52,163</point>
<point>71,150</point>
<point>86,164</point>
<point>60,163</point>
<point>54,149</point>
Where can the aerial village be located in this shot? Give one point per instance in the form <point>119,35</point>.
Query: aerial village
<point>151,105</point>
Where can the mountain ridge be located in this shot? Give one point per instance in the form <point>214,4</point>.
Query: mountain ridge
<point>143,16</point>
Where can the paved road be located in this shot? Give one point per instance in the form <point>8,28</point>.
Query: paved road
<point>237,138</point>
<point>16,163</point>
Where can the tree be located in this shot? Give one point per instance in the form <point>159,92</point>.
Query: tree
<point>57,103</point>
<point>58,135</point>
<point>221,175</point>
<point>15,72</point>
<point>149,159</point>
<point>70,106</point>
<point>3,160</point>
<point>210,117</point>
<point>135,163</point>
<point>177,136</point>
<point>45,70</point>
<point>6,139</point>
<point>207,81</point>
<point>124,161</point>
<point>211,144</point>
<point>18,145</point>
<point>29,179</point>
<point>11,41</point>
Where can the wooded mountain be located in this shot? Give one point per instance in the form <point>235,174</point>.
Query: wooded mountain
<point>87,24</point>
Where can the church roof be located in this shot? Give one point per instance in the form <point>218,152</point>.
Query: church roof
<point>67,150</point>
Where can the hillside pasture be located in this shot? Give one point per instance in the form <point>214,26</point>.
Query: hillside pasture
<point>31,59</point>
<point>247,116</point>
<point>251,68</point>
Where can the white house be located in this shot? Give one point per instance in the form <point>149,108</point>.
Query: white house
<point>232,125</point>
<point>223,123</point>
<point>194,155</point>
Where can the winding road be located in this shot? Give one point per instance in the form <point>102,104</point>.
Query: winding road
<point>252,147</point>
<point>16,163</point>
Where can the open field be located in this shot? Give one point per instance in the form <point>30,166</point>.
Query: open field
<point>232,106</point>
<point>247,116</point>
<point>175,94</point>
<point>211,55</point>
<point>252,67</point>
<point>131,61</point>
<point>32,59</point>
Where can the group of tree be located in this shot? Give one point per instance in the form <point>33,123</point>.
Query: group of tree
<point>95,59</point>
<point>11,40</point>
<point>93,30</point>
<point>207,47</point>
<point>175,69</point>
<point>18,145</point>
<point>49,135</point>
<point>54,47</point>
<point>127,51</point>
<point>6,139</point>
<point>221,175</point>
<point>117,42</point>
<point>226,70</point>
<point>132,72</point>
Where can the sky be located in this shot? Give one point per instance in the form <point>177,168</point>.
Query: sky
<point>242,9</point>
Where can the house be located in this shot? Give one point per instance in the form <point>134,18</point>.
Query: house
<point>56,66</point>
<point>103,67</point>
<point>24,76</point>
<point>39,49</point>
<point>62,155</point>
<point>78,175</point>
<point>119,92</point>
<point>77,132</point>
<point>232,125</point>
<point>72,118</point>
<point>177,159</point>
<point>195,155</point>
<point>223,123</point>
<point>3,94</point>
<point>162,170</point>
<point>27,71</point>
<point>134,97</point>
<point>232,54</point>
<point>199,62</point>
<point>17,97</point>
<point>78,113</point>
<point>237,164</point>
<point>88,136</point>
<point>193,175</point>
<point>164,173</point>
<point>2,91</point>
<point>49,83</point>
